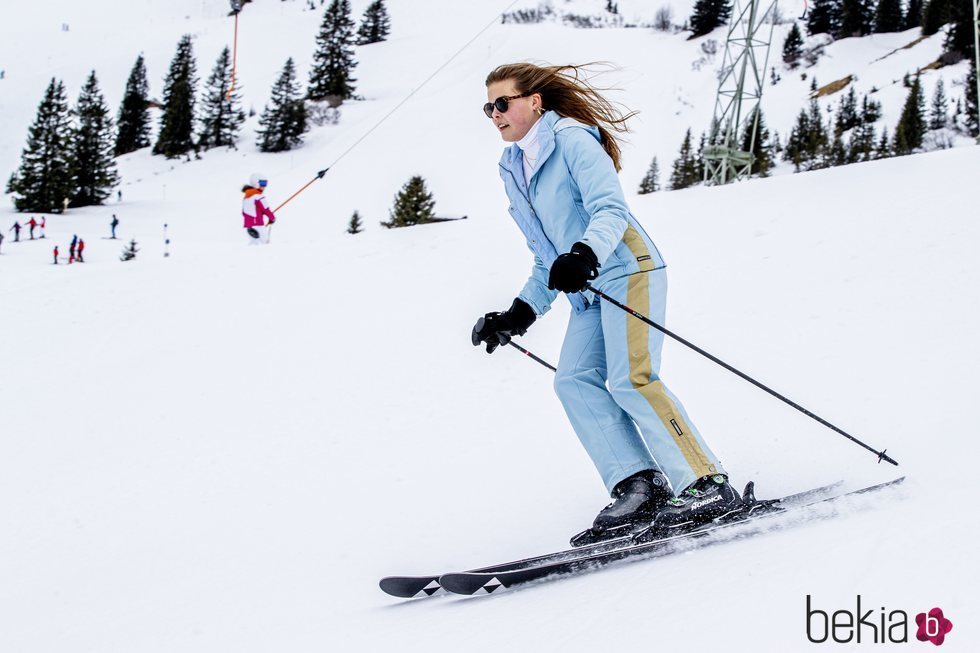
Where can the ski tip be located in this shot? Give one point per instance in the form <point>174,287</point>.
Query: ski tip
<point>410,587</point>
<point>470,583</point>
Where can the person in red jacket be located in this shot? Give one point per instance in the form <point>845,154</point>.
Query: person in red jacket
<point>32,223</point>
<point>81,248</point>
<point>56,255</point>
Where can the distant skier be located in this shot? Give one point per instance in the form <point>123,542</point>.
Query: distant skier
<point>32,224</point>
<point>255,211</point>
<point>113,225</point>
<point>44,223</point>
<point>71,249</point>
<point>81,248</point>
<point>560,174</point>
<point>1,238</point>
<point>56,255</point>
<point>119,195</point>
<point>16,229</point>
<point>64,205</point>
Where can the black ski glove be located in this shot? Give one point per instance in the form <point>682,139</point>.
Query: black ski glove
<point>498,328</point>
<point>572,271</point>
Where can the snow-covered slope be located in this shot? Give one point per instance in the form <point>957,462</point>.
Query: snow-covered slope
<point>224,450</point>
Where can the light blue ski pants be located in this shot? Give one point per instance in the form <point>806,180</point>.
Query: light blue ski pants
<point>608,381</point>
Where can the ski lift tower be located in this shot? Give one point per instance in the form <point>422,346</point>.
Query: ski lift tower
<point>976,53</point>
<point>740,86</point>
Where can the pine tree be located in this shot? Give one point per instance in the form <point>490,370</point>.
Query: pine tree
<point>870,110</point>
<point>223,116</point>
<point>836,153</point>
<point>283,121</point>
<point>817,138</point>
<point>911,126</point>
<point>934,16</point>
<point>777,146</point>
<point>883,151</point>
<point>375,25</point>
<point>793,46</point>
<point>93,168</point>
<point>333,62</point>
<point>888,16</point>
<point>824,17</point>
<point>940,107</point>
<point>177,122</point>
<point>699,162</point>
<point>651,180</point>
<point>685,170</point>
<point>862,144</point>
<point>355,226</point>
<point>761,148</point>
<point>796,149</point>
<point>413,205</point>
<point>856,18</point>
<point>959,38</point>
<point>129,253</point>
<point>847,113</point>
<point>972,120</point>
<point>44,178</point>
<point>913,15</point>
<point>709,14</point>
<point>133,122</point>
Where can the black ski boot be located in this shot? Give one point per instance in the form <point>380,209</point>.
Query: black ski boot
<point>707,499</point>
<point>637,499</point>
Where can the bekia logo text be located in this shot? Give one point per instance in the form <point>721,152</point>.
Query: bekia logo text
<point>873,626</point>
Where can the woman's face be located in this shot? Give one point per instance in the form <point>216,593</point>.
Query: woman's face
<point>521,113</point>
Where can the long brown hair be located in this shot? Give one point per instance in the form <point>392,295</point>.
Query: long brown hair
<point>568,91</point>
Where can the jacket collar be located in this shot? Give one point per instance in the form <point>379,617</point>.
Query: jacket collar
<point>511,158</point>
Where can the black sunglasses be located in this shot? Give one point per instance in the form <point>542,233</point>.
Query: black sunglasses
<point>501,103</point>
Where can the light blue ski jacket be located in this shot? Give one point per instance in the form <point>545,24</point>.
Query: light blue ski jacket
<point>573,195</point>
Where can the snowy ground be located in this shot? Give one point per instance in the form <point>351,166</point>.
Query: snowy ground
<point>226,449</point>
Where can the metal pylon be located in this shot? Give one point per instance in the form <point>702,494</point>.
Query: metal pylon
<point>976,53</point>
<point>740,86</point>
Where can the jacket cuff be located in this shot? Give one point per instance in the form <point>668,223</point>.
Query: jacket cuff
<point>585,251</point>
<point>522,314</point>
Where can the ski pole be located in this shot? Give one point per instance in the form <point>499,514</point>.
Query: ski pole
<point>507,340</point>
<point>530,355</point>
<point>881,454</point>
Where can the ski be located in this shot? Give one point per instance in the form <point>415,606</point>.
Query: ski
<point>490,581</point>
<point>407,587</point>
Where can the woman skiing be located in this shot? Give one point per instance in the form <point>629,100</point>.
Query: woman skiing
<point>255,211</point>
<point>560,175</point>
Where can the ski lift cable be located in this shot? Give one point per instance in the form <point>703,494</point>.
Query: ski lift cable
<point>321,173</point>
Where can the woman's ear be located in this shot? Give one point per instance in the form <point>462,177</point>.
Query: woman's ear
<point>539,105</point>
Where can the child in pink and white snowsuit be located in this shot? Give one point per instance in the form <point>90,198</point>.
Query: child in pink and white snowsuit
<point>255,211</point>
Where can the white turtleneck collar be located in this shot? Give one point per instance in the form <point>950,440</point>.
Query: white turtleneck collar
<point>531,147</point>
